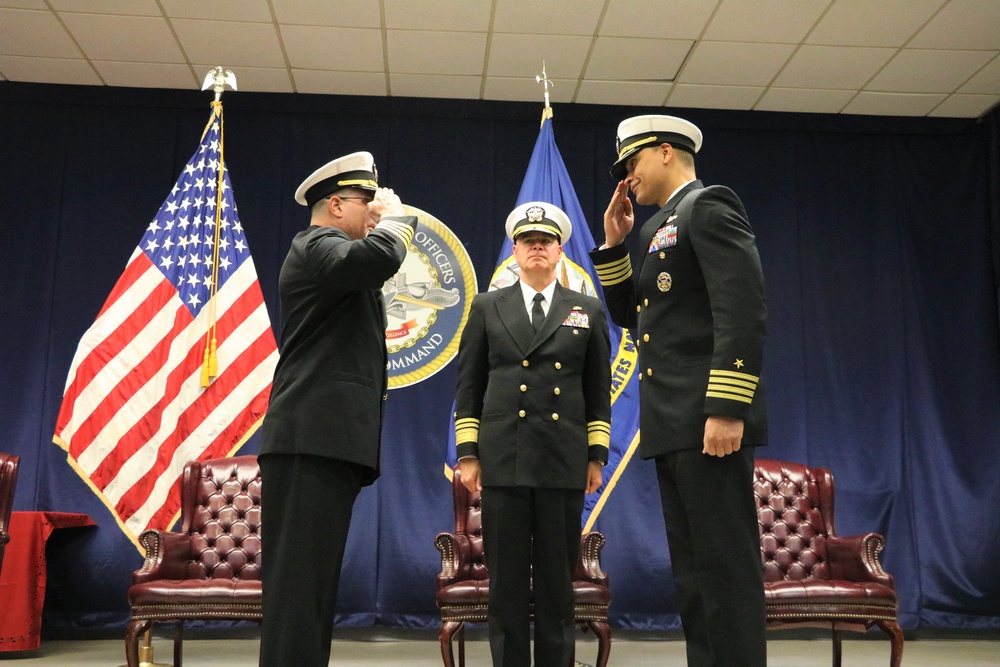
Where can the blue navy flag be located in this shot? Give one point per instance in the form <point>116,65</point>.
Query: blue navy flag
<point>547,180</point>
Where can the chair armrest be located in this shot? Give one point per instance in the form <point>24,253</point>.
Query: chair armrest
<point>588,566</point>
<point>167,556</point>
<point>455,555</point>
<point>856,558</point>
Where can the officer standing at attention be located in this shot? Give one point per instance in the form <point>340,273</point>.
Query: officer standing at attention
<point>323,426</point>
<point>532,428</point>
<point>695,307</point>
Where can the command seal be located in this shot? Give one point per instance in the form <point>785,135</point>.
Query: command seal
<point>427,302</point>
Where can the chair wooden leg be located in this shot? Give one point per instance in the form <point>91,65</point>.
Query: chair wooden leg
<point>895,633</point>
<point>132,634</point>
<point>837,648</point>
<point>448,630</point>
<point>603,632</point>
<point>178,643</point>
<point>461,646</point>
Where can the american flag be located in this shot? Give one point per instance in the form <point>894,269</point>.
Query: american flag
<point>135,409</point>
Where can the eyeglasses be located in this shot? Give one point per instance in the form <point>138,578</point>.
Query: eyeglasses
<point>364,200</point>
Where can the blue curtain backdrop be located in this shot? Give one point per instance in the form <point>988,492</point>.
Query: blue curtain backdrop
<point>879,237</point>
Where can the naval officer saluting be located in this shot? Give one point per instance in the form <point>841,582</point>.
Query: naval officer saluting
<point>323,427</point>
<point>695,307</point>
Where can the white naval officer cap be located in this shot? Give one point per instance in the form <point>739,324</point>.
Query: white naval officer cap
<point>356,170</point>
<point>640,132</point>
<point>539,216</point>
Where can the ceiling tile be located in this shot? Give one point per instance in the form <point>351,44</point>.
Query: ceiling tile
<point>342,13</point>
<point>142,75</point>
<point>48,70</point>
<point>435,85</point>
<point>614,58</point>
<point>526,89</point>
<point>30,33</point>
<point>552,17</point>
<point>522,55</point>
<point>986,81</point>
<point>867,23</point>
<point>804,100</point>
<point>631,93</point>
<point>720,53</point>
<point>892,104</point>
<point>457,15</point>
<point>118,7</point>
<point>962,24</point>
<point>735,63</point>
<point>342,49</point>
<point>833,66</point>
<point>254,79</point>
<point>124,38</point>
<point>230,44</point>
<point>965,106</point>
<point>685,19</point>
<point>25,4</point>
<point>926,71</point>
<point>254,11</point>
<point>764,20</point>
<point>452,52</point>
<point>713,97</point>
<point>340,83</point>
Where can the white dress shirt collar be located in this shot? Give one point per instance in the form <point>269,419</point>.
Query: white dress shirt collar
<point>528,294</point>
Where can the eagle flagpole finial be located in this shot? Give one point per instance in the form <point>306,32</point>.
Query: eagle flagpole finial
<point>546,82</point>
<point>218,79</point>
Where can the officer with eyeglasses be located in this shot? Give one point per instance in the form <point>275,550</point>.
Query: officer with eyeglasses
<point>321,435</point>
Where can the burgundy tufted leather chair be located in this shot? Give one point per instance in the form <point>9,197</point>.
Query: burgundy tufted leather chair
<point>812,576</point>
<point>464,581</point>
<point>8,480</point>
<point>210,569</point>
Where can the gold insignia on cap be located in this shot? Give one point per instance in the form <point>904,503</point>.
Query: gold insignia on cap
<point>626,149</point>
<point>535,214</point>
<point>664,282</point>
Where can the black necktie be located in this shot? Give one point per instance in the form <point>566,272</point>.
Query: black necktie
<point>537,314</point>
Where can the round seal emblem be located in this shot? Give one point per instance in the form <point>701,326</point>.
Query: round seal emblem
<point>664,282</point>
<point>427,302</point>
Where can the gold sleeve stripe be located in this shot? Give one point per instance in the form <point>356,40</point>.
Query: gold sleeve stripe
<point>735,383</point>
<point>732,390</point>
<point>466,430</point>
<point>731,397</point>
<point>400,229</point>
<point>599,433</point>
<point>735,374</point>
<point>615,272</point>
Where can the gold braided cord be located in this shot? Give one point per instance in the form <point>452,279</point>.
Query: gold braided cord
<point>210,365</point>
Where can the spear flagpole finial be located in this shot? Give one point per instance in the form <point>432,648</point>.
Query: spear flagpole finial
<point>218,79</point>
<point>546,82</point>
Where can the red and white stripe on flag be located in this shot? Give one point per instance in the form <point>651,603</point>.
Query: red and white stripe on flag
<point>134,409</point>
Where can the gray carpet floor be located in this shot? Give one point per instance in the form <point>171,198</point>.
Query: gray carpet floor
<point>399,648</point>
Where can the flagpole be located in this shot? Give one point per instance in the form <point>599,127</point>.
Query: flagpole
<point>217,79</point>
<point>546,82</point>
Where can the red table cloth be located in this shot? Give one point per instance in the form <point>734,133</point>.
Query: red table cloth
<point>22,580</point>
